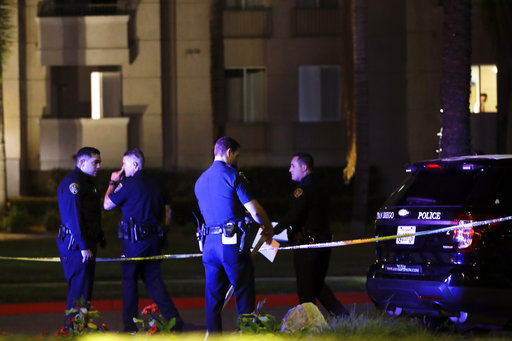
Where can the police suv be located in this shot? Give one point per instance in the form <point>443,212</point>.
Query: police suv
<point>453,255</point>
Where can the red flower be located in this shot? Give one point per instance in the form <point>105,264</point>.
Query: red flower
<point>152,308</point>
<point>153,329</point>
<point>62,332</point>
<point>104,326</point>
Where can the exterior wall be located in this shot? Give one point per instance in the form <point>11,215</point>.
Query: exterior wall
<point>194,112</point>
<point>424,47</point>
<point>273,142</point>
<point>12,99</point>
<point>142,93</point>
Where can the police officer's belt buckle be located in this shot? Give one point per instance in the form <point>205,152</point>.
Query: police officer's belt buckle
<point>229,229</point>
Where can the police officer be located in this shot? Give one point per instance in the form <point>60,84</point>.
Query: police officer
<point>80,231</point>
<point>144,207</point>
<point>307,223</point>
<point>223,197</point>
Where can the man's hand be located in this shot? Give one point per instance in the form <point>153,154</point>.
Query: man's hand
<point>267,233</point>
<point>117,176</point>
<point>86,255</point>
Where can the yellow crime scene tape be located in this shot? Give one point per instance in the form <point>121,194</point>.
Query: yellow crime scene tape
<point>295,247</point>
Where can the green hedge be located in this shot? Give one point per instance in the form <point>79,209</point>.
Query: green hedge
<point>271,186</point>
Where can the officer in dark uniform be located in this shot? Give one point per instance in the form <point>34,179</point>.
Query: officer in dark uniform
<point>223,197</point>
<point>307,223</point>
<point>80,231</point>
<point>144,206</point>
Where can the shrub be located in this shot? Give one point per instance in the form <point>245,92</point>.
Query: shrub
<point>16,220</point>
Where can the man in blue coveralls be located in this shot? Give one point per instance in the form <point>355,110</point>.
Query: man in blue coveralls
<point>145,207</point>
<point>80,231</point>
<point>223,196</point>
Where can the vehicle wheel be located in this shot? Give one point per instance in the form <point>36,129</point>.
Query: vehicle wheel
<point>463,317</point>
<point>395,312</point>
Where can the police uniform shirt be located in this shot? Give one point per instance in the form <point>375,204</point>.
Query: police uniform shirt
<point>80,208</point>
<point>307,209</point>
<point>140,197</point>
<point>221,193</point>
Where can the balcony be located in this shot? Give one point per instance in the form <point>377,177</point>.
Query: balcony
<point>309,22</point>
<point>82,34</point>
<point>247,23</point>
<point>51,8</point>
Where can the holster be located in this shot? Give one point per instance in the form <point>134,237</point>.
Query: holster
<point>63,232</point>
<point>200,235</point>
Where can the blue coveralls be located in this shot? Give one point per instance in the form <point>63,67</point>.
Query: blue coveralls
<point>142,199</point>
<point>221,193</point>
<point>80,212</point>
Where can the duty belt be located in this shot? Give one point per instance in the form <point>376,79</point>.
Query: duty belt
<point>213,230</point>
<point>136,233</point>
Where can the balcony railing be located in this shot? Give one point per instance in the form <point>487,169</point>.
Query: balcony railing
<point>247,23</point>
<point>50,8</point>
<point>316,22</point>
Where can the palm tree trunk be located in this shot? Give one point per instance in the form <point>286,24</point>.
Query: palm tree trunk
<point>455,86</point>
<point>361,130</point>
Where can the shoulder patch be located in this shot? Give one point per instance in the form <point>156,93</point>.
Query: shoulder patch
<point>119,186</point>
<point>297,193</point>
<point>74,188</point>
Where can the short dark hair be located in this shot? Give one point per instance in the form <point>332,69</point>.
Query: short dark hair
<point>305,159</point>
<point>86,152</point>
<point>136,153</point>
<point>224,143</point>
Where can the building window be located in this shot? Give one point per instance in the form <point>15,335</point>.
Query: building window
<point>71,91</point>
<point>484,89</point>
<point>319,93</point>
<point>246,95</point>
<point>316,3</point>
<point>246,4</point>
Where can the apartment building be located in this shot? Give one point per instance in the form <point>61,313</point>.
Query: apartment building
<point>170,76</point>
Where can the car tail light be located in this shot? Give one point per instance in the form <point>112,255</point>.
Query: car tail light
<point>463,239</point>
<point>433,166</point>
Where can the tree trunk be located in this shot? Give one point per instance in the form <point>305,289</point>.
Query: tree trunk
<point>361,179</point>
<point>455,86</point>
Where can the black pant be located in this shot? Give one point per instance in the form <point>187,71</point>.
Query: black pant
<point>150,273</point>
<point>311,268</point>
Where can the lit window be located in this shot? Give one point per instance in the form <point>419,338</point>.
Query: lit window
<point>484,93</point>
<point>80,91</point>
<point>319,93</point>
<point>246,95</point>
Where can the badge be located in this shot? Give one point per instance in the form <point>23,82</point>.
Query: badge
<point>119,186</point>
<point>297,193</point>
<point>74,188</point>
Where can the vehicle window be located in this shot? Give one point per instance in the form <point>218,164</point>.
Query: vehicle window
<point>440,186</point>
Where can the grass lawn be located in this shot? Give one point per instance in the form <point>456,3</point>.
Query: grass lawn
<point>24,281</point>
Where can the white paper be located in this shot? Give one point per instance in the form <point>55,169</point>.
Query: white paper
<point>280,237</point>
<point>268,251</point>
